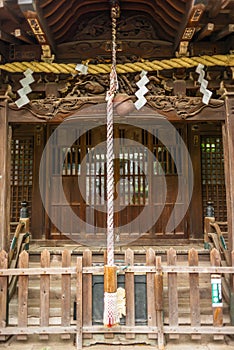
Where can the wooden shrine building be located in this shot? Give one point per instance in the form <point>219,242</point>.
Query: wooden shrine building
<point>167,39</point>
<point>173,143</point>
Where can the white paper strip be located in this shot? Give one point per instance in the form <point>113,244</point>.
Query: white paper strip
<point>26,89</point>
<point>141,101</point>
<point>204,83</point>
<point>82,68</point>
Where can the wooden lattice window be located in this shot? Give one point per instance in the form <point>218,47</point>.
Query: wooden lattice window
<point>167,155</point>
<point>213,181</point>
<point>21,175</point>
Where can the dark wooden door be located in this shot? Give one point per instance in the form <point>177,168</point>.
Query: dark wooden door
<point>26,149</point>
<point>137,176</point>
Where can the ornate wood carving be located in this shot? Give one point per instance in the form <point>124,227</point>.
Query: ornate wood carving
<point>184,107</point>
<point>136,34</point>
<point>91,89</point>
<point>83,90</point>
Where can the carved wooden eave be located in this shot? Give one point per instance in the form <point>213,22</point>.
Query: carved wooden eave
<point>172,107</point>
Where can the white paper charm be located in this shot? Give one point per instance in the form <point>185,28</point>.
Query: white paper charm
<point>141,101</point>
<point>204,83</point>
<point>82,68</point>
<point>26,89</point>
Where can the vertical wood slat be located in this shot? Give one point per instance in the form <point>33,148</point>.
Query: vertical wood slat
<point>231,291</point>
<point>159,301</point>
<point>87,292</point>
<point>215,260</point>
<point>150,261</point>
<point>45,294</point>
<point>229,163</point>
<point>130,293</point>
<point>4,177</point>
<point>23,295</point>
<point>194,293</point>
<point>79,304</point>
<point>3,292</point>
<point>66,294</point>
<point>172,292</point>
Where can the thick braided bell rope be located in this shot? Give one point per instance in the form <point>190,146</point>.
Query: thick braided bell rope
<point>156,65</point>
<point>110,146</point>
<point>110,316</point>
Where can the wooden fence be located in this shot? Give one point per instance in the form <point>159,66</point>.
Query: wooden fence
<point>174,297</point>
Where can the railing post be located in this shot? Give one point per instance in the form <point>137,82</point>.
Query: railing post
<point>79,304</point>
<point>87,293</point>
<point>172,293</point>
<point>130,293</point>
<point>45,294</point>
<point>159,302</point>
<point>231,292</point>
<point>66,293</point>
<point>150,261</point>
<point>217,304</point>
<point>23,295</point>
<point>3,293</point>
<point>194,293</point>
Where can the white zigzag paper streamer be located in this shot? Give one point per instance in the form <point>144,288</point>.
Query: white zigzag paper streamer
<point>142,90</point>
<point>203,88</point>
<point>26,89</point>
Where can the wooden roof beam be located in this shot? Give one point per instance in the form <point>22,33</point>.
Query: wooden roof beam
<point>206,31</point>
<point>20,34</point>
<point>214,7</point>
<point>3,51</point>
<point>8,38</point>
<point>9,7</point>
<point>32,14</point>
<point>194,12</point>
<point>229,29</point>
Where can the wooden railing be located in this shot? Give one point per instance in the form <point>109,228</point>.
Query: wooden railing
<point>174,297</point>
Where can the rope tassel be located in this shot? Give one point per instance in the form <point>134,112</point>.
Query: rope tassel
<point>111,315</point>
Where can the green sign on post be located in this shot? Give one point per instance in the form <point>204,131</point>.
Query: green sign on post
<point>216,290</point>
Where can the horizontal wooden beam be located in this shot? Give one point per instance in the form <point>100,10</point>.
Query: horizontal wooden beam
<point>180,329</point>
<point>229,29</point>
<point>11,39</point>
<point>206,31</point>
<point>99,270</point>
<point>22,35</point>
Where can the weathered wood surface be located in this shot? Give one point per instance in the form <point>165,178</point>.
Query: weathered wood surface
<point>4,177</point>
<point>173,297</point>
<point>98,270</point>
<point>150,261</point>
<point>3,292</point>
<point>79,304</point>
<point>215,260</point>
<point>66,293</point>
<point>130,293</point>
<point>45,293</point>
<point>172,292</point>
<point>87,292</point>
<point>228,135</point>
<point>194,293</point>
<point>159,301</point>
<point>23,295</point>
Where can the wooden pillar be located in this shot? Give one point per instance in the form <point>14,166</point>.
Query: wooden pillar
<point>228,138</point>
<point>4,177</point>
<point>228,143</point>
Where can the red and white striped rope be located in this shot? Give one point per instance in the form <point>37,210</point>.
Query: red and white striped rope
<point>110,144</point>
